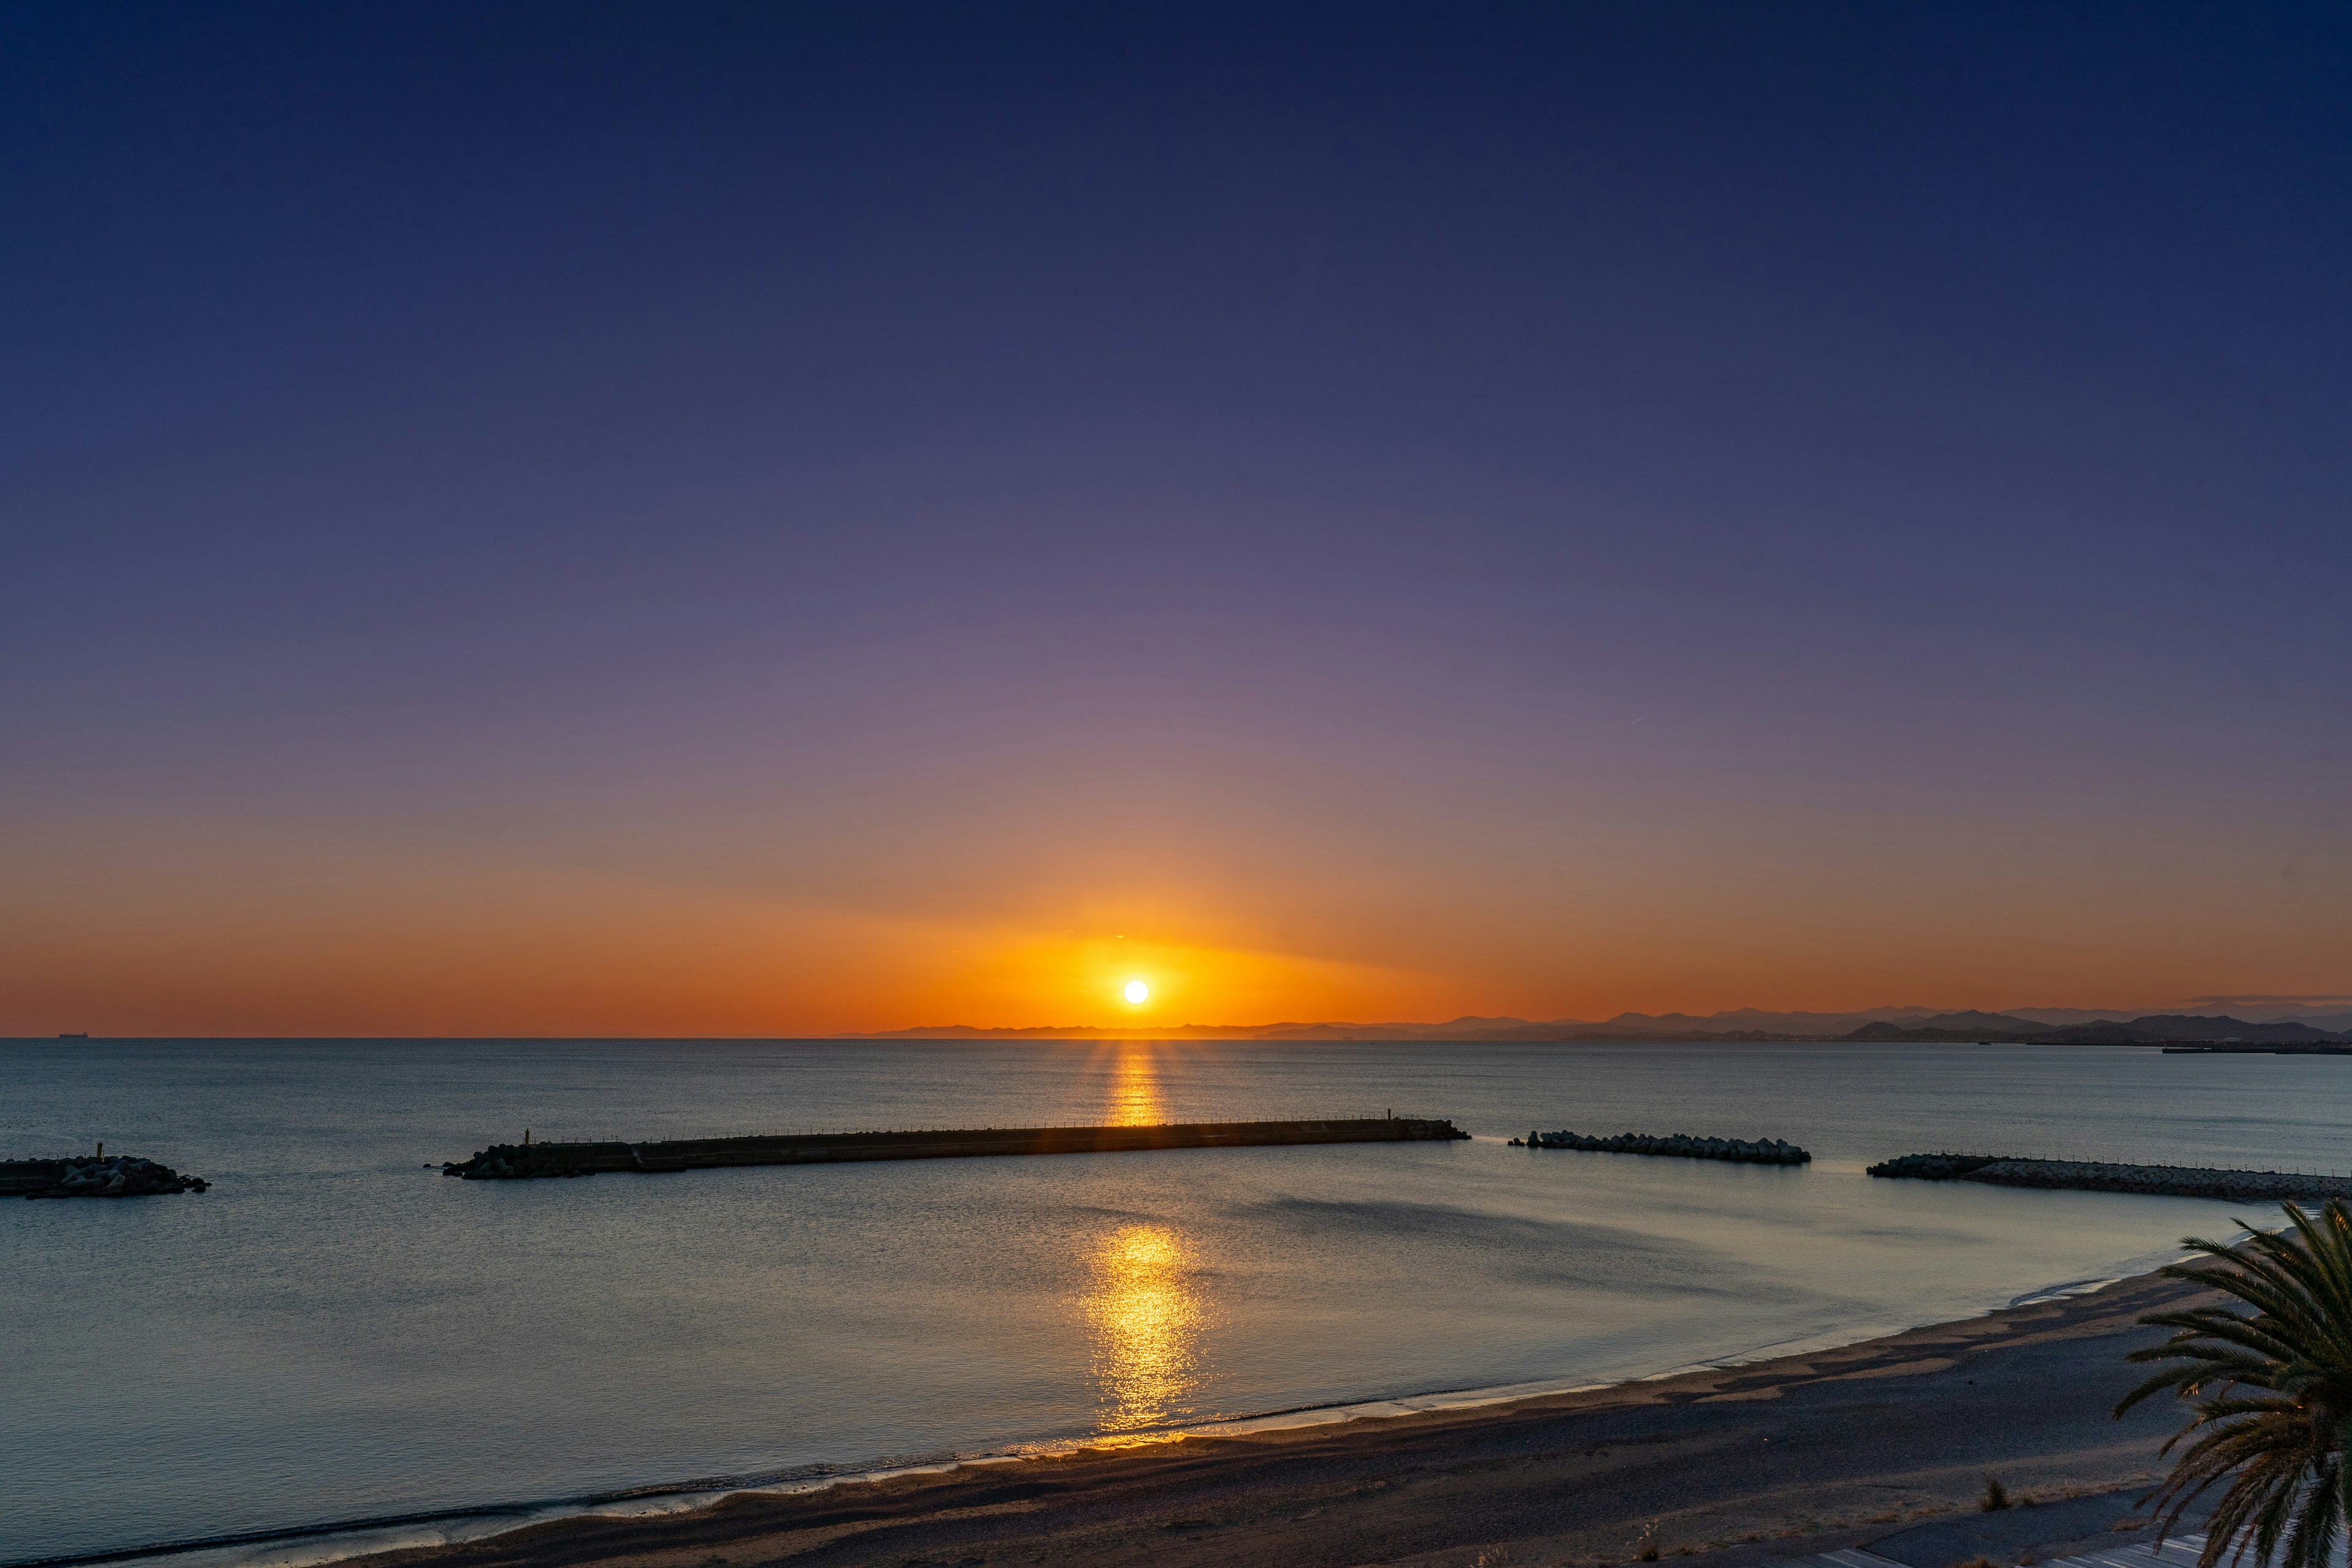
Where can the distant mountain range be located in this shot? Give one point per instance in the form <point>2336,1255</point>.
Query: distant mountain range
<point>2284,1020</point>
<point>2153,1028</point>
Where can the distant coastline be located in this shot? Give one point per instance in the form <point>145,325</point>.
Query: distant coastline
<point>2318,1027</point>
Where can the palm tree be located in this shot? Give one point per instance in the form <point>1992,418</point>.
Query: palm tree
<point>2272,1391</point>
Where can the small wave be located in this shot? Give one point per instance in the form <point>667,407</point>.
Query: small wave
<point>311,1546</point>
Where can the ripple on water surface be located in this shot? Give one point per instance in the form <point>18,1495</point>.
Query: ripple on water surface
<point>334,1331</point>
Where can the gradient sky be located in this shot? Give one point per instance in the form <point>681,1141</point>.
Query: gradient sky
<point>714,518</point>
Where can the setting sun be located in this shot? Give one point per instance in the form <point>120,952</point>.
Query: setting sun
<point>1137,993</point>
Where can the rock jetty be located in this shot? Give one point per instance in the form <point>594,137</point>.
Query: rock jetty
<point>2098,1176</point>
<point>1743,1150</point>
<point>93,1177</point>
<point>519,1161</point>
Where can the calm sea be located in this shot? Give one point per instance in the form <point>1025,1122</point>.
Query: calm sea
<point>336,1331</point>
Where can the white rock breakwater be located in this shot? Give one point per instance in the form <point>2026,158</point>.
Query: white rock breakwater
<point>1755,1152</point>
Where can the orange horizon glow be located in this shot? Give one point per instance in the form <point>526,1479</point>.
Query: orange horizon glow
<point>263,933</point>
<point>739,973</point>
<point>973,545</point>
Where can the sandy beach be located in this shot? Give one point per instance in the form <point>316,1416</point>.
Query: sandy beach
<point>1887,1442</point>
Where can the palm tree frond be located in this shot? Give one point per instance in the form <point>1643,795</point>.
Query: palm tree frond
<point>2267,1378</point>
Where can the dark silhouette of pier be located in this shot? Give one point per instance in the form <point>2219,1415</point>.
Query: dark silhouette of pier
<point>514,1162</point>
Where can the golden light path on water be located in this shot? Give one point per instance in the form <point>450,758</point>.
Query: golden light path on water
<point>1146,1316</point>
<point>1135,1097</point>
<point>1147,1320</point>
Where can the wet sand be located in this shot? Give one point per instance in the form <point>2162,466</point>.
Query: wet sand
<point>1742,1466</point>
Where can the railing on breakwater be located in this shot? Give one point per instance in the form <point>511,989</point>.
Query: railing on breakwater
<point>1740,1151</point>
<point>510,1162</point>
<point>2108,1176</point>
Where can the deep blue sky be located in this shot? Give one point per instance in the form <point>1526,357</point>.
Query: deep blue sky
<point>1560,508</point>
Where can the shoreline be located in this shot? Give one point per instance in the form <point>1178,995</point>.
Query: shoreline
<point>1114,1488</point>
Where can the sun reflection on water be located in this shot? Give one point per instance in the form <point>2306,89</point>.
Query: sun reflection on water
<point>1135,1098</point>
<point>1147,1322</point>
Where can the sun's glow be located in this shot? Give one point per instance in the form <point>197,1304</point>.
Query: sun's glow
<point>1137,993</point>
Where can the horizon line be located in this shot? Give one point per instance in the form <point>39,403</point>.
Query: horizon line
<point>1329,1028</point>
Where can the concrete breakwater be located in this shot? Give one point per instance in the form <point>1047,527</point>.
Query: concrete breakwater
<point>2227,1049</point>
<point>2099,1176</point>
<point>514,1162</point>
<point>93,1177</point>
<point>1757,1151</point>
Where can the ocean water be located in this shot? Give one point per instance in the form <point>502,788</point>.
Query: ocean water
<point>337,1333</point>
